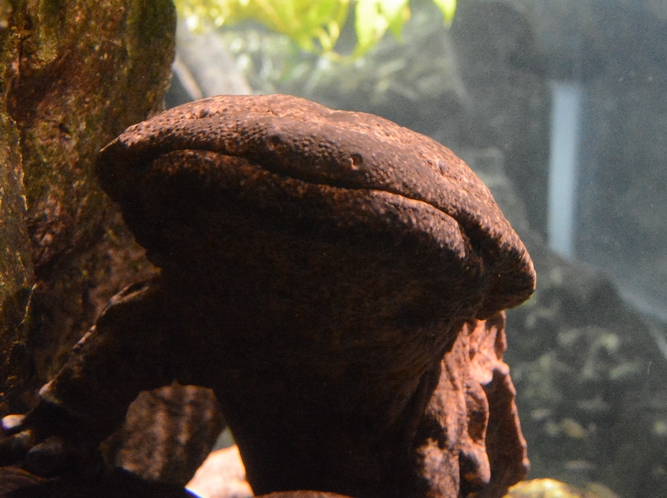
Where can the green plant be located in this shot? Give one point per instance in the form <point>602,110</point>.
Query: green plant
<point>314,25</point>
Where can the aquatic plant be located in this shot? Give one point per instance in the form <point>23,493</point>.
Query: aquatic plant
<point>314,25</point>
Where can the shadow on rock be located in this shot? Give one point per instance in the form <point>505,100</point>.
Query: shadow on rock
<point>17,483</point>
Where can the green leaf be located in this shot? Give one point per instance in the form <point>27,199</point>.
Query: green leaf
<point>374,17</point>
<point>313,24</point>
<point>370,25</point>
<point>448,9</point>
<point>396,12</point>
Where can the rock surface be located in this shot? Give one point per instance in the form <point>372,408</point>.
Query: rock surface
<point>72,79</point>
<point>167,434</point>
<point>17,483</point>
<point>222,475</point>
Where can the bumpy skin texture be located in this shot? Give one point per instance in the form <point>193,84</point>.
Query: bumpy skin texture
<point>297,139</point>
<point>323,272</point>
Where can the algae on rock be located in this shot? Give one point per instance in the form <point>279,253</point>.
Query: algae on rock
<point>74,75</point>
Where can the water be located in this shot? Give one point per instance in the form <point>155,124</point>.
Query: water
<point>563,166</point>
<point>561,104</point>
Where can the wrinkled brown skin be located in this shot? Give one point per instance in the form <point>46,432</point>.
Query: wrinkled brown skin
<point>337,280</point>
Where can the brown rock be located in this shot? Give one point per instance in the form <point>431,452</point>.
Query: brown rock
<point>14,478</point>
<point>302,494</point>
<point>317,266</point>
<point>168,433</point>
<point>72,78</point>
<point>17,483</point>
<point>222,475</point>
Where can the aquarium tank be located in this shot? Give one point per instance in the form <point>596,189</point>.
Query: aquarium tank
<point>560,106</point>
